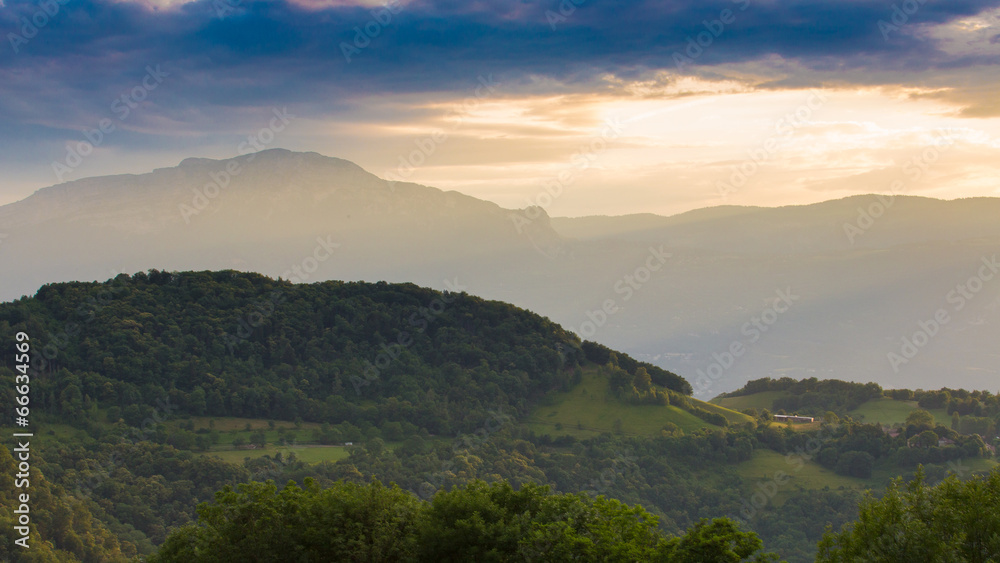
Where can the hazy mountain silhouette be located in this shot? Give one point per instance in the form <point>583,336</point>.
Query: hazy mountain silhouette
<point>307,217</point>
<point>803,229</point>
<point>266,215</point>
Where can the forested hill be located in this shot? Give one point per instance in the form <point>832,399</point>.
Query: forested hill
<point>151,392</point>
<point>234,344</point>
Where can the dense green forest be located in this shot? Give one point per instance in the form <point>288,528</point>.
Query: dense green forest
<point>477,522</point>
<point>152,392</point>
<point>232,344</point>
<point>954,521</point>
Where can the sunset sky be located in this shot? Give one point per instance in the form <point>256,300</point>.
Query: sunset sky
<point>612,105</point>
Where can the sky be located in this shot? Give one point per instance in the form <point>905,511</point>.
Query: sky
<point>583,107</point>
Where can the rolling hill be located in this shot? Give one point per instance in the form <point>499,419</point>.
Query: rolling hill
<point>153,391</point>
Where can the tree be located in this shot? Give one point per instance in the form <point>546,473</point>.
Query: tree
<point>900,394</point>
<point>855,464</point>
<point>981,425</point>
<point>919,420</point>
<point>953,522</point>
<point>642,380</point>
<point>494,522</point>
<point>926,439</point>
<point>620,381</point>
<point>616,426</point>
<point>258,438</point>
<point>198,402</point>
<point>71,402</point>
<point>934,399</point>
<point>255,522</point>
<point>478,522</point>
<point>718,541</point>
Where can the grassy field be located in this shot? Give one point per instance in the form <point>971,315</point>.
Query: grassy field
<point>224,424</point>
<point>230,428</point>
<point>306,453</point>
<point>733,416</point>
<point>812,476</point>
<point>980,464</point>
<point>889,412</point>
<point>763,400</point>
<point>798,426</point>
<point>808,476</point>
<point>884,410</point>
<point>588,410</point>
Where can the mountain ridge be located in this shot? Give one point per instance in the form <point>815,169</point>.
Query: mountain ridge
<point>313,218</point>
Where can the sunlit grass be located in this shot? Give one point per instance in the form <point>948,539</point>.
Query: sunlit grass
<point>762,400</point>
<point>588,410</point>
<point>888,412</point>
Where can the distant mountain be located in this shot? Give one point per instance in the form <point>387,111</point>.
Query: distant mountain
<point>302,216</point>
<point>867,221</point>
<point>828,290</point>
<point>867,270</point>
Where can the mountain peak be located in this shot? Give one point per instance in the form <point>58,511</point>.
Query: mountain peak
<point>269,156</point>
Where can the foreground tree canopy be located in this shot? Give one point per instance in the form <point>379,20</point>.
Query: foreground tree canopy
<point>479,522</point>
<point>954,521</point>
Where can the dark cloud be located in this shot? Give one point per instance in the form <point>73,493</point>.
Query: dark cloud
<point>262,53</point>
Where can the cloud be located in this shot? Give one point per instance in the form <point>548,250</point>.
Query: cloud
<point>231,61</point>
<point>265,50</point>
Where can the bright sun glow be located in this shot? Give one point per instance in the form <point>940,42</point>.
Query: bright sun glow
<point>675,151</point>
